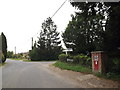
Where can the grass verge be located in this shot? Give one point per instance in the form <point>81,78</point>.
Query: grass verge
<point>20,59</point>
<point>111,76</point>
<point>26,60</point>
<point>77,68</point>
<point>2,64</point>
<point>16,59</point>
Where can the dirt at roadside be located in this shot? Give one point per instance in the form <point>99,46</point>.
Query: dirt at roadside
<point>85,80</point>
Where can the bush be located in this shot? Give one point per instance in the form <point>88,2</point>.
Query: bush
<point>78,59</point>
<point>34,54</point>
<point>63,57</point>
<point>83,60</point>
<point>89,62</point>
<point>116,62</point>
<point>114,65</point>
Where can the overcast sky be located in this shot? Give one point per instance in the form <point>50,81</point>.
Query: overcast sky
<point>22,19</point>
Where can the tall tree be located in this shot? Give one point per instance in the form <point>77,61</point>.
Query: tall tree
<point>48,46</point>
<point>0,49</point>
<point>86,28</point>
<point>95,26</point>
<point>112,38</point>
<point>4,47</point>
<point>49,40</point>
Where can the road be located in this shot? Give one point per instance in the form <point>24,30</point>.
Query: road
<point>19,74</point>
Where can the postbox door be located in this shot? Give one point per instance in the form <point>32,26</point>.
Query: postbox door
<point>96,64</point>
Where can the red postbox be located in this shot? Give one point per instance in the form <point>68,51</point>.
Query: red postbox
<point>96,65</point>
<point>98,61</point>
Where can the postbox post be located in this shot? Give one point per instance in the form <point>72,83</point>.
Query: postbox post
<point>99,61</point>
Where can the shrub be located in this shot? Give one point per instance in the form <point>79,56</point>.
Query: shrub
<point>114,65</point>
<point>89,62</point>
<point>79,59</point>
<point>76,59</point>
<point>116,62</point>
<point>83,60</point>
<point>70,56</point>
<point>63,57</point>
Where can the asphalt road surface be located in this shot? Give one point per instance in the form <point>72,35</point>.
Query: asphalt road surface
<point>19,74</point>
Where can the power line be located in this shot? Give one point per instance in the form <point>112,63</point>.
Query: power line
<point>54,13</point>
<point>51,17</point>
<point>59,8</point>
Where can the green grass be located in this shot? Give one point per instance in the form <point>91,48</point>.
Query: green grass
<point>111,76</point>
<point>2,64</point>
<point>30,60</point>
<point>16,59</point>
<point>25,60</point>
<point>20,59</point>
<point>77,68</point>
<point>80,68</point>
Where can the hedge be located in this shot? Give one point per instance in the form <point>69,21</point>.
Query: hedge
<point>77,59</point>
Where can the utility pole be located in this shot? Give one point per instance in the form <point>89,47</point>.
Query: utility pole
<point>15,50</point>
<point>32,42</point>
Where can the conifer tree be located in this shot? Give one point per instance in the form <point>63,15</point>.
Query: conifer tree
<point>48,46</point>
<point>3,42</point>
<point>49,40</point>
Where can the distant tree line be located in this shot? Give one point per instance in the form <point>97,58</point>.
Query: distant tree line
<point>10,54</point>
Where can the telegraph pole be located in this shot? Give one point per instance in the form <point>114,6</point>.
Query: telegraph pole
<point>32,42</point>
<point>15,50</point>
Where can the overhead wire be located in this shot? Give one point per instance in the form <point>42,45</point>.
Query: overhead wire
<point>59,8</point>
<point>51,17</point>
<point>55,12</point>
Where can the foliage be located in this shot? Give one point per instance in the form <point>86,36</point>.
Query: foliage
<point>34,54</point>
<point>95,26</point>
<point>85,30</point>
<point>20,55</point>
<point>77,59</point>
<point>2,64</point>
<point>0,49</point>
<point>78,68</point>
<point>10,54</point>
<point>4,47</point>
<point>83,60</point>
<point>112,38</point>
<point>63,57</point>
<point>114,65</point>
<point>48,46</point>
<point>109,75</point>
<point>3,57</point>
